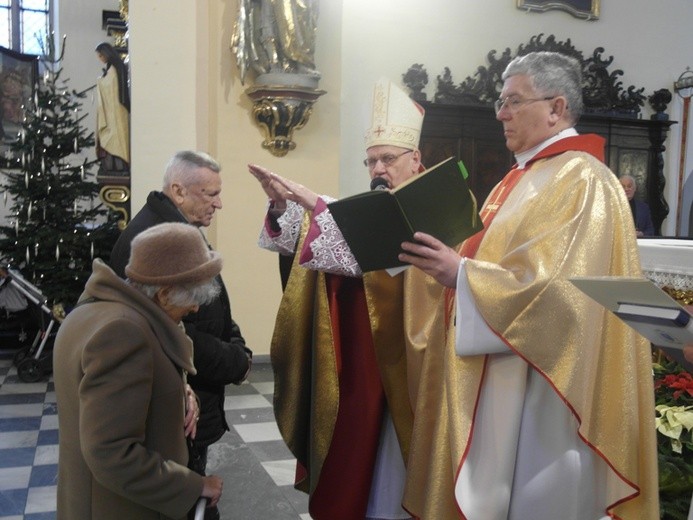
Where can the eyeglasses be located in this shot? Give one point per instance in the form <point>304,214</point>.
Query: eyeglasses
<point>513,103</point>
<point>387,159</point>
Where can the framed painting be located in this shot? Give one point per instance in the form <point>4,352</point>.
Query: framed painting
<point>634,163</point>
<point>18,76</point>
<point>587,9</point>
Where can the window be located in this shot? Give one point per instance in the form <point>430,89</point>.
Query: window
<point>24,25</point>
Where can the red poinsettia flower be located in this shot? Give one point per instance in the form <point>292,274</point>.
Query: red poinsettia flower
<point>680,383</point>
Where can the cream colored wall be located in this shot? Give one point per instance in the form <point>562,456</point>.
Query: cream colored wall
<point>186,93</point>
<point>82,27</point>
<point>251,274</point>
<point>164,60</point>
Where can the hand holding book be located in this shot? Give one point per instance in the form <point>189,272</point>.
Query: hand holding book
<point>433,257</point>
<point>437,201</point>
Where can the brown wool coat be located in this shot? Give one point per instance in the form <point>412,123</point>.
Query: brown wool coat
<point>119,367</point>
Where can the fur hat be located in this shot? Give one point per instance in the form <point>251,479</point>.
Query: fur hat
<point>172,254</point>
<point>396,119</point>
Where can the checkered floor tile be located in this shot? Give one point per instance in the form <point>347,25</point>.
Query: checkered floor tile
<point>252,459</point>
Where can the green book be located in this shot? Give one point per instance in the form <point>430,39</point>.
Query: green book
<point>436,201</point>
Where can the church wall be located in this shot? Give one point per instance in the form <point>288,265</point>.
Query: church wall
<point>251,274</point>
<point>166,59</point>
<point>80,23</point>
<point>186,93</point>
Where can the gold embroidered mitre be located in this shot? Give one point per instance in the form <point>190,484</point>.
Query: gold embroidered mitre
<point>396,118</point>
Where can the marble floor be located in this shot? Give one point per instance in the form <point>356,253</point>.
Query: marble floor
<point>252,459</point>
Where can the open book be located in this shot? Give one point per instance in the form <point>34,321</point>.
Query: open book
<point>436,201</point>
<point>643,306</point>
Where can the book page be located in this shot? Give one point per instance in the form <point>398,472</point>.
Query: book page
<point>610,291</point>
<point>437,201</point>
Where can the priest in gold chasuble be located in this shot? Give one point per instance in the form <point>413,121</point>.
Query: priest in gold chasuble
<point>536,403</point>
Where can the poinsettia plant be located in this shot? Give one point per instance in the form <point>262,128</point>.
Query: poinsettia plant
<point>674,423</point>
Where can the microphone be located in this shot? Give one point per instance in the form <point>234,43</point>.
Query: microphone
<point>379,183</point>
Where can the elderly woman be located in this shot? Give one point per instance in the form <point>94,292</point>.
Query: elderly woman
<point>120,363</point>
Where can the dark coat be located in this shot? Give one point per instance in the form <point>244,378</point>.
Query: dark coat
<point>642,217</point>
<point>118,367</point>
<point>221,356</point>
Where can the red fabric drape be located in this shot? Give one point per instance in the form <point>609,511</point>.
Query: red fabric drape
<point>345,480</point>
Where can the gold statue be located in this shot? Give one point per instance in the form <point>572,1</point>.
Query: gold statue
<point>276,36</point>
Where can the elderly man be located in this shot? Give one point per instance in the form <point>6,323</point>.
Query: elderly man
<point>639,208</point>
<point>347,346</point>
<point>191,194</point>
<point>546,407</point>
<point>120,362</point>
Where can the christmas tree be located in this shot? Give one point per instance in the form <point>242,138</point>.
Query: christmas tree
<point>58,224</point>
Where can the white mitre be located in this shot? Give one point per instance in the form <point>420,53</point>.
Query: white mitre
<point>396,118</point>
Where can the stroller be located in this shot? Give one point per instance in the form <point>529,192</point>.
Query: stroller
<point>26,323</point>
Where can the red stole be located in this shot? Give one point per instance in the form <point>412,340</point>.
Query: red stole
<point>344,485</point>
<point>590,143</point>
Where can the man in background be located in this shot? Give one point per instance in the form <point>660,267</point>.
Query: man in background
<point>192,193</point>
<point>639,208</point>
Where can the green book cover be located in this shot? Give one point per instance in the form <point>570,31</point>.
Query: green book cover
<point>436,201</point>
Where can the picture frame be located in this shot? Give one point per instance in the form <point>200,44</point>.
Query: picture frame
<point>18,78</point>
<point>634,163</point>
<point>586,9</point>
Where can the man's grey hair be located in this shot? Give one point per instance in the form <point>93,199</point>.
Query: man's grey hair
<point>182,167</point>
<point>182,295</point>
<point>553,74</point>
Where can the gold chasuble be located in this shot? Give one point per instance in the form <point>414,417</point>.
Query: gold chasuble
<point>566,216</point>
<point>343,349</point>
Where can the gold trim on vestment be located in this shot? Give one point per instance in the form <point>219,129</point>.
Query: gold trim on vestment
<point>566,217</point>
<point>303,337</point>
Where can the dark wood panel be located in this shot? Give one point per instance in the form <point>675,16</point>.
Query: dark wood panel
<point>460,121</point>
<point>472,134</point>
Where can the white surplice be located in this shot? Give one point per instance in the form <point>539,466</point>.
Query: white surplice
<point>522,473</point>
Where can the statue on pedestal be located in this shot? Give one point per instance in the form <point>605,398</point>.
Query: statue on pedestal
<point>113,114</point>
<point>276,37</point>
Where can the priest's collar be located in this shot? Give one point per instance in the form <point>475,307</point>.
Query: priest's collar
<point>523,158</point>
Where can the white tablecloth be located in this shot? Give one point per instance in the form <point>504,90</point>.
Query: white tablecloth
<point>667,262</point>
